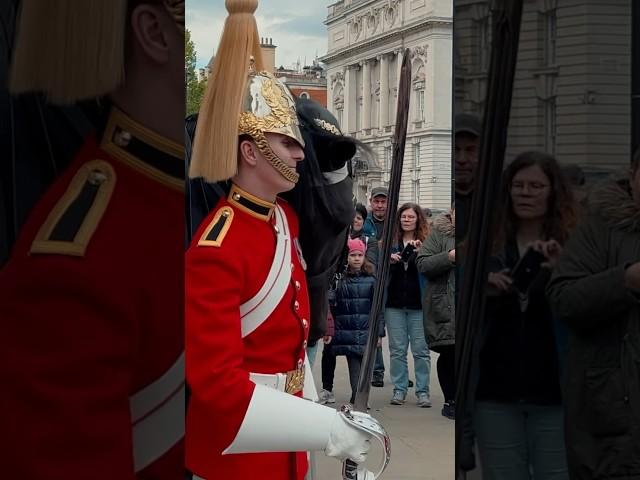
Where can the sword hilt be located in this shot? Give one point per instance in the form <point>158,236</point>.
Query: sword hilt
<point>369,425</point>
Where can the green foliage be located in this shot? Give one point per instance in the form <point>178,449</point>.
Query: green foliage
<point>194,89</point>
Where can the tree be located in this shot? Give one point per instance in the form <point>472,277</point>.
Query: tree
<point>195,89</point>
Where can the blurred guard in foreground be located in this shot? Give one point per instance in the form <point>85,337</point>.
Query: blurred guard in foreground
<point>91,304</point>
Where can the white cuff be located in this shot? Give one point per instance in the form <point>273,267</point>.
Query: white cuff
<point>278,422</point>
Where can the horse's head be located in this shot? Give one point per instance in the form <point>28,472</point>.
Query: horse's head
<point>323,199</point>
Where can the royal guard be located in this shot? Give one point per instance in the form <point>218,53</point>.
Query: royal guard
<point>91,303</point>
<point>247,307</point>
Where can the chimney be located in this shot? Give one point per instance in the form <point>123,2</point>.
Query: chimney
<point>268,54</point>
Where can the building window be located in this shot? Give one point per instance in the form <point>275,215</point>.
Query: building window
<point>415,190</point>
<point>421,115</point>
<point>419,86</point>
<point>304,95</point>
<point>415,174</point>
<point>483,52</point>
<point>550,132</point>
<point>339,115</point>
<point>550,27</point>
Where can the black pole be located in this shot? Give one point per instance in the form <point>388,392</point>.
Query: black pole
<point>506,16</point>
<point>635,77</point>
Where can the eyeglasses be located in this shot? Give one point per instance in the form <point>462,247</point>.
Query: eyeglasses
<point>533,187</point>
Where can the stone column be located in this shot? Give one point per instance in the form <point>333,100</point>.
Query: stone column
<point>398,55</point>
<point>384,91</point>
<point>350,103</point>
<point>366,95</point>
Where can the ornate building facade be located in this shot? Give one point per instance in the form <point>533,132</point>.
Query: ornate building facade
<point>572,89</point>
<point>366,41</point>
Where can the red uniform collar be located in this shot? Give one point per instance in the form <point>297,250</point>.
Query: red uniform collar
<point>143,149</point>
<point>250,204</point>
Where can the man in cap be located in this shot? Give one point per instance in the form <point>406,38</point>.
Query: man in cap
<point>373,226</point>
<point>467,129</point>
<point>247,307</point>
<point>91,351</point>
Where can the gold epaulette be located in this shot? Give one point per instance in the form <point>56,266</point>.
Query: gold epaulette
<point>75,217</point>
<point>217,229</point>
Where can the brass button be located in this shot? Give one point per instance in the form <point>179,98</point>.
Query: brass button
<point>304,344</point>
<point>97,177</point>
<point>276,229</point>
<point>297,285</point>
<point>296,305</point>
<point>305,324</point>
<point>300,363</point>
<point>236,197</point>
<point>121,138</point>
<point>292,267</point>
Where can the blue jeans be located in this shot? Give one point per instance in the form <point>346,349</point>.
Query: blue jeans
<point>520,441</point>
<point>404,327</point>
<point>311,353</point>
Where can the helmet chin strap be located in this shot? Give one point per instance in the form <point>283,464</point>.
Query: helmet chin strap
<point>282,168</point>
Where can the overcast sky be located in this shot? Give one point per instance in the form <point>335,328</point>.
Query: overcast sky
<point>294,25</point>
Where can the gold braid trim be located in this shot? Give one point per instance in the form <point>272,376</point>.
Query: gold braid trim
<point>327,126</point>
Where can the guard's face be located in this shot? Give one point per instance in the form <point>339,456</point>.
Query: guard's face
<point>530,191</point>
<point>635,185</point>
<point>379,206</point>
<point>466,159</point>
<point>358,222</point>
<point>287,150</point>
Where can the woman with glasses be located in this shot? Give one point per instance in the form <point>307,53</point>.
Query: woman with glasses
<point>518,413</point>
<point>403,313</point>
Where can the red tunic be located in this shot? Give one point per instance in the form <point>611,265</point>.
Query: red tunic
<point>83,332</point>
<point>218,280</point>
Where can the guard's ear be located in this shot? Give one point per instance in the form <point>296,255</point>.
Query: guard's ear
<point>248,152</point>
<point>149,25</point>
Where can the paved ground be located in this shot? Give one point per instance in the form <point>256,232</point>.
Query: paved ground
<point>422,440</point>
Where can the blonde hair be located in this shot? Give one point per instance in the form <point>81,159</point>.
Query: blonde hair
<point>215,147</point>
<point>87,40</point>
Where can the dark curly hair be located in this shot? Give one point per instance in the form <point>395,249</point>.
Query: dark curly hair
<point>561,216</point>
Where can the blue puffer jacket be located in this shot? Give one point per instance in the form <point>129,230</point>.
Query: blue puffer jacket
<point>351,314</point>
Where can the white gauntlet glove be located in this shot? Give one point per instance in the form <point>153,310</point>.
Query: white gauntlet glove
<point>346,441</point>
<point>278,422</point>
<point>364,474</point>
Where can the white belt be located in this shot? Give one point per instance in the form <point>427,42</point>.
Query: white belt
<point>157,416</point>
<point>277,381</point>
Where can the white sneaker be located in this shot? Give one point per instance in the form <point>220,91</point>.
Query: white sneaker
<point>326,397</point>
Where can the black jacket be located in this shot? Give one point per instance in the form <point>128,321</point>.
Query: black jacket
<point>351,314</point>
<point>518,359</point>
<point>404,288</point>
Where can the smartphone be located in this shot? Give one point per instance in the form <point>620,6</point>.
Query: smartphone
<point>407,252</point>
<point>526,269</point>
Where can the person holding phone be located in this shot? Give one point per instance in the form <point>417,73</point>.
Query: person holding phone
<point>518,413</point>
<point>403,313</point>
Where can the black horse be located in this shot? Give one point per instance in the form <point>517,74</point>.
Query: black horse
<point>323,199</point>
